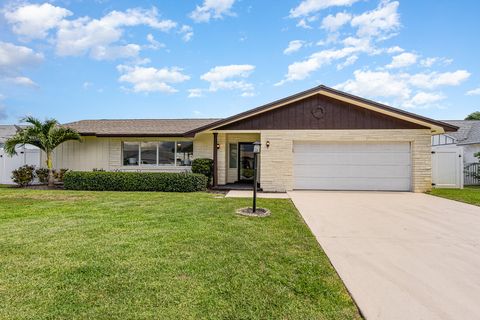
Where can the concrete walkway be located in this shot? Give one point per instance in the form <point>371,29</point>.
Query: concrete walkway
<point>401,255</point>
<point>249,194</point>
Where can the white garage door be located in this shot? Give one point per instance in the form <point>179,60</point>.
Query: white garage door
<point>352,166</point>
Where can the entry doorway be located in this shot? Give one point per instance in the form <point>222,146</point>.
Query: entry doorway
<point>245,162</point>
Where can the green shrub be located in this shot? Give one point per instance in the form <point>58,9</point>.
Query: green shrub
<point>42,175</point>
<point>59,175</point>
<point>203,166</point>
<point>135,181</point>
<point>23,176</point>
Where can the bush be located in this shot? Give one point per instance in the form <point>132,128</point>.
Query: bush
<point>59,175</point>
<point>203,166</point>
<point>135,181</point>
<point>23,176</point>
<point>42,175</point>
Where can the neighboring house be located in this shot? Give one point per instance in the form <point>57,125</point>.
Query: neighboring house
<point>467,136</point>
<point>25,155</point>
<point>317,139</point>
<point>465,143</point>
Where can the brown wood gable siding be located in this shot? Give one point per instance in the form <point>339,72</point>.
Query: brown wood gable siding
<point>320,112</point>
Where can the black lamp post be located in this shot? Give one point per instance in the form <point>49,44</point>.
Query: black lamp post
<point>256,152</point>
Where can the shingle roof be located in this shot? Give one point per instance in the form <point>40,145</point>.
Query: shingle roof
<point>138,127</point>
<point>6,131</point>
<point>468,131</point>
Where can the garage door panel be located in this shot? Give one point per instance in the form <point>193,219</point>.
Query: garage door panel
<point>352,166</point>
<point>362,147</point>
<point>374,184</point>
<point>352,171</point>
<point>347,159</point>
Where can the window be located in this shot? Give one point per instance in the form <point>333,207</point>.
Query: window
<point>232,155</point>
<point>149,153</point>
<point>162,153</point>
<point>184,153</point>
<point>166,153</point>
<point>131,153</point>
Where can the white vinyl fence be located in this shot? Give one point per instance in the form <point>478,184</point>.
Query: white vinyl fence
<point>25,155</point>
<point>447,167</point>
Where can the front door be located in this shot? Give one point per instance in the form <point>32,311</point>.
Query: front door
<point>245,161</point>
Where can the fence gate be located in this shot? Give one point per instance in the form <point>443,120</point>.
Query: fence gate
<point>447,167</point>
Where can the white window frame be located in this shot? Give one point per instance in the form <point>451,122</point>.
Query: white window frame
<point>157,143</point>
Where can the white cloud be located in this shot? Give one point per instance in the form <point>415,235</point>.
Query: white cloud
<point>195,93</point>
<point>403,60</point>
<point>401,88</point>
<point>376,84</point>
<point>212,9</point>
<point>308,7</point>
<point>395,49</point>
<point>424,98</point>
<point>334,22</point>
<point>35,20</point>
<point>15,57</point>
<point>97,36</point>
<point>247,94</point>
<point>87,84</point>
<point>22,81</point>
<point>348,62</point>
<point>380,22</point>
<point>302,69</point>
<point>154,44</point>
<point>435,79</point>
<point>187,32</point>
<point>429,62</point>
<point>474,92</point>
<point>294,46</point>
<point>150,79</point>
<point>115,52</point>
<point>230,77</point>
<point>302,23</point>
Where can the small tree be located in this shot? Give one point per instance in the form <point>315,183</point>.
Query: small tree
<point>473,116</point>
<point>45,135</point>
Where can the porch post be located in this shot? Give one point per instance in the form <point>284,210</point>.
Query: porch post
<point>215,159</point>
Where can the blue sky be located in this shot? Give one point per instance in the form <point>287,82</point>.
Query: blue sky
<point>75,60</point>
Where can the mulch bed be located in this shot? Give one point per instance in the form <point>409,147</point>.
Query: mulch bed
<point>260,212</point>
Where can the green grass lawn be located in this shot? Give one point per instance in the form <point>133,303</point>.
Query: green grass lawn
<point>469,194</point>
<point>79,255</point>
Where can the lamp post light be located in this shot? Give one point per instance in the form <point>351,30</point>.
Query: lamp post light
<point>256,152</point>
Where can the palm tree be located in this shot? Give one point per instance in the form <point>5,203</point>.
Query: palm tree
<point>45,135</point>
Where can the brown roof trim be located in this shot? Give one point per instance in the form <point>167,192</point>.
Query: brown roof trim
<point>139,135</point>
<point>445,126</point>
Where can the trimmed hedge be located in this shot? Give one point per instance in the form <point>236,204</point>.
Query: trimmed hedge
<point>203,166</point>
<point>135,181</point>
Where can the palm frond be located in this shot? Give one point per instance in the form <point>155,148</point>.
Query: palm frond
<point>45,135</point>
<point>12,143</point>
<point>59,135</point>
<point>33,121</point>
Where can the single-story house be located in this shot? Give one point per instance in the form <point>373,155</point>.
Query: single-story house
<point>317,139</point>
<point>467,136</point>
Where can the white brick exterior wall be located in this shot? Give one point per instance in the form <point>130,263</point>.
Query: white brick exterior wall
<point>276,164</point>
<point>277,161</point>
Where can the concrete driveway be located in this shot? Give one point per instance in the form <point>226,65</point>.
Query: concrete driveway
<point>401,255</point>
